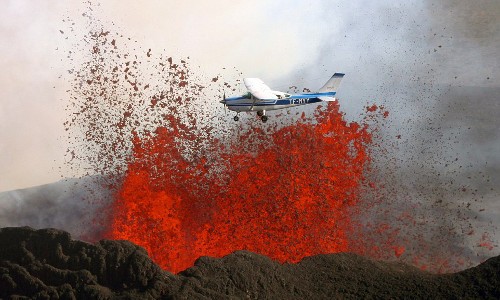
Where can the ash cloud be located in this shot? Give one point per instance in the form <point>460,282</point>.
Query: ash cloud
<point>433,65</point>
<point>458,153</point>
<point>466,37</point>
<point>77,205</point>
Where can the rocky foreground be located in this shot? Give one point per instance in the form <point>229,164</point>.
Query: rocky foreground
<point>47,263</point>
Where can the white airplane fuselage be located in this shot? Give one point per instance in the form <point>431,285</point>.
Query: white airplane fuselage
<point>261,98</point>
<point>245,103</point>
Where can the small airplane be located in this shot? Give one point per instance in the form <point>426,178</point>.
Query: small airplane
<point>261,98</point>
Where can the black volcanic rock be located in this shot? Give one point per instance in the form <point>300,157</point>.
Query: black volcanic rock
<point>48,264</point>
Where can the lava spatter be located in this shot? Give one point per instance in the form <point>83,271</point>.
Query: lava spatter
<point>189,182</point>
<point>187,187</point>
<point>286,199</point>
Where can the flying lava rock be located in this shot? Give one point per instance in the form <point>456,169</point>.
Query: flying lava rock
<point>285,194</point>
<point>187,183</point>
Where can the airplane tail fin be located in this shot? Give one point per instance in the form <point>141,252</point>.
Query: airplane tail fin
<point>331,86</point>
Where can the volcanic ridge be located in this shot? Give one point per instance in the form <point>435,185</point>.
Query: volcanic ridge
<point>47,263</point>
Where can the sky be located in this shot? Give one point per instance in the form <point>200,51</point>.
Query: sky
<point>384,47</point>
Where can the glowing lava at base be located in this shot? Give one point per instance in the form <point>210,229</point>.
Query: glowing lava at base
<point>285,194</point>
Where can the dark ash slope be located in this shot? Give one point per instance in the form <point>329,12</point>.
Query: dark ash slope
<point>47,263</point>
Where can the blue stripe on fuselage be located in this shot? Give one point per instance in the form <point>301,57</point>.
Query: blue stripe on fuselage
<point>266,101</point>
<point>314,95</point>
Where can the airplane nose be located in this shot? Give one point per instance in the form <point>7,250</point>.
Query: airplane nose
<point>223,101</point>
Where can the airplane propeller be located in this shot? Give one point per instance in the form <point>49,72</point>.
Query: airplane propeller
<point>223,101</point>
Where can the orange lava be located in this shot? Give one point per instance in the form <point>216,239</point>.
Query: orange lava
<point>286,194</point>
<point>202,185</point>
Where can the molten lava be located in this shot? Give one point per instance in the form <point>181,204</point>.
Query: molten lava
<point>284,194</point>
<point>195,184</point>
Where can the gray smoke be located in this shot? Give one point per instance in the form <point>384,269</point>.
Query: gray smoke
<point>434,66</point>
<point>441,88</point>
<point>75,205</point>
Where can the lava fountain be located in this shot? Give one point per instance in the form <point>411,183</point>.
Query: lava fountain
<point>189,189</point>
<point>284,194</point>
<point>188,182</point>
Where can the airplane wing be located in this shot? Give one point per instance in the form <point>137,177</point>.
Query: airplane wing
<point>259,89</point>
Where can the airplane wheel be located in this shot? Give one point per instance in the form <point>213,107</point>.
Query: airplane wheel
<point>264,119</point>
<point>260,113</point>
<point>236,118</point>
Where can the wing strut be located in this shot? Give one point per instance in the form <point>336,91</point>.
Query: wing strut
<point>253,103</point>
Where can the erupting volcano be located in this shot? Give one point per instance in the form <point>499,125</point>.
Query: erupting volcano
<point>285,193</point>
<point>188,181</point>
<point>189,187</point>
